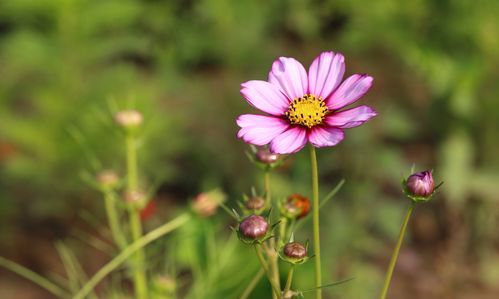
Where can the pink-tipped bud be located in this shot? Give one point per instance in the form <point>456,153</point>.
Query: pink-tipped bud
<point>128,118</point>
<point>135,198</point>
<point>108,179</point>
<point>421,184</point>
<point>295,250</point>
<point>253,227</point>
<point>265,156</point>
<point>206,204</point>
<point>255,203</point>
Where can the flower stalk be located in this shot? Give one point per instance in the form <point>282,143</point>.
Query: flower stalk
<point>395,253</point>
<point>316,223</point>
<point>287,288</point>
<point>139,276</point>
<point>276,290</point>
<point>113,219</point>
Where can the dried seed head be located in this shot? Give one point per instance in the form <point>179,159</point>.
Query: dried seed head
<point>294,250</point>
<point>254,227</point>
<point>128,118</point>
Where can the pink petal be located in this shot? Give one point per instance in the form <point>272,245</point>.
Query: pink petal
<point>349,91</point>
<point>290,75</point>
<point>350,118</point>
<point>265,96</point>
<point>290,141</point>
<point>325,74</point>
<point>260,129</point>
<point>325,136</point>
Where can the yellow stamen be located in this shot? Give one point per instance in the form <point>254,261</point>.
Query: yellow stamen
<point>308,111</point>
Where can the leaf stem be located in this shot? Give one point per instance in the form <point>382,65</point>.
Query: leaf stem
<point>129,251</point>
<point>316,223</point>
<point>34,277</point>
<point>395,253</point>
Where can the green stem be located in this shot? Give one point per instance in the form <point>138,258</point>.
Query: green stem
<point>139,275</point>
<point>282,230</point>
<point>34,277</point>
<point>273,259</point>
<point>316,223</point>
<point>129,251</point>
<point>251,286</point>
<point>395,253</point>
<point>112,218</point>
<point>289,280</point>
<point>276,290</point>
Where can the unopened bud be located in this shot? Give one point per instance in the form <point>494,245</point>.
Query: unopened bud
<point>206,204</point>
<point>253,227</point>
<point>128,118</point>
<point>264,155</point>
<point>108,179</point>
<point>295,250</point>
<point>135,198</point>
<point>421,184</point>
<point>255,203</point>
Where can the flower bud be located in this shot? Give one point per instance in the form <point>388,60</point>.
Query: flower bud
<point>253,227</point>
<point>264,155</point>
<point>108,179</point>
<point>206,204</point>
<point>128,118</point>
<point>295,250</point>
<point>421,184</point>
<point>135,198</point>
<point>255,203</point>
<point>294,253</point>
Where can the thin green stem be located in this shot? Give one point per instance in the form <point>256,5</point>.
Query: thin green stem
<point>129,251</point>
<point>395,253</point>
<point>251,286</point>
<point>273,259</point>
<point>34,277</point>
<point>287,288</point>
<point>316,223</point>
<point>139,276</point>
<point>113,219</point>
<point>276,290</point>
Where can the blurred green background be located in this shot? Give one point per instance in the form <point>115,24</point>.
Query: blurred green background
<point>67,65</point>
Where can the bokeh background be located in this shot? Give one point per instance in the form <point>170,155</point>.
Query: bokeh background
<point>67,65</point>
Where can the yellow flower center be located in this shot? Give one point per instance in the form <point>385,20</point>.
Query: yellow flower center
<point>308,111</point>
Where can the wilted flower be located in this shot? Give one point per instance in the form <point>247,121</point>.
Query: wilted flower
<point>296,206</point>
<point>303,108</point>
<point>128,118</point>
<point>253,229</point>
<point>148,211</point>
<point>108,179</point>
<point>420,186</point>
<point>205,204</point>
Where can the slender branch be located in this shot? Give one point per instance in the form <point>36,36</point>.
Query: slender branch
<point>129,251</point>
<point>139,275</point>
<point>251,286</point>
<point>34,277</point>
<point>275,289</point>
<point>395,253</point>
<point>113,219</point>
<point>289,280</point>
<point>316,223</point>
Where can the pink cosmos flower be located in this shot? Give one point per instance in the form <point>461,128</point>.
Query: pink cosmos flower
<point>304,107</point>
